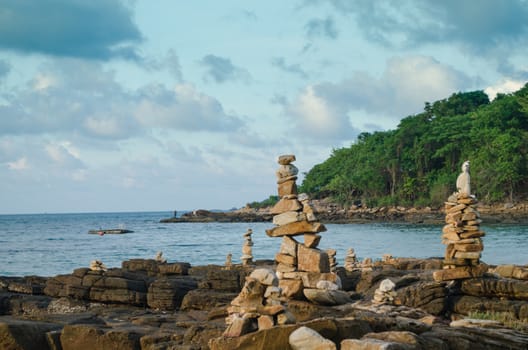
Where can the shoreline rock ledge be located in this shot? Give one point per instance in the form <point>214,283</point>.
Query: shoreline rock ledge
<point>152,305</point>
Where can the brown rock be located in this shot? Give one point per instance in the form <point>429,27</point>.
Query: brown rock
<point>265,322</point>
<point>291,288</point>
<point>287,188</point>
<point>460,272</point>
<point>288,246</point>
<point>472,234</point>
<point>456,208</point>
<point>24,335</point>
<point>285,268</point>
<point>286,259</point>
<point>467,255</point>
<point>285,205</point>
<point>312,260</point>
<point>286,159</point>
<point>88,337</point>
<point>296,228</point>
<point>311,240</point>
<point>310,279</point>
<point>270,310</point>
<point>469,247</point>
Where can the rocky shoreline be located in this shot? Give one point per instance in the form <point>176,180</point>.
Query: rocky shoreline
<point>329,212</point>
<point>147,304</point>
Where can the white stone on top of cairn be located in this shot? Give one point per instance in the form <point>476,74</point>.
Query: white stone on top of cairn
<point>463,180</point>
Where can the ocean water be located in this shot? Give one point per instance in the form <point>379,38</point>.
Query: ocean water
<point>52,244</point>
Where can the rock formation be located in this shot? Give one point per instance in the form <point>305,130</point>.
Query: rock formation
<point>229,261</point>
<point>385,293</point>
<point>351,262</point>
<point>159,258</point>
<point>97,265</point>
<point>247,251</point>
<point>300,265</point>
<point>462,234</point>
<point>258,306</point>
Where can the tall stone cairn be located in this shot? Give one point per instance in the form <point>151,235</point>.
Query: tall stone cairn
<point>299,264</point>
<point>462,234</point>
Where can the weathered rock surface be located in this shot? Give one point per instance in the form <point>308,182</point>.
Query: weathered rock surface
<point>188,310</point>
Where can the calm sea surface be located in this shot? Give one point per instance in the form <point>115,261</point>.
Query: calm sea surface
<point>51,244</point>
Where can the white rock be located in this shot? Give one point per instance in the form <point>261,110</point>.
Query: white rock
<point>386,285</point>
<point>265,276</point>
<point>327,285</point>
<point>272,291</point>
<point>303,197</point>
<point>305,338</point>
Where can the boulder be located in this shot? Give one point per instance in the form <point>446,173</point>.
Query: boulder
<point>24,335</point>
<point>305,338</point>
<point>89,337</point>
<point>205,299</point>
<point>496,287</point>
<point>168,293</point>
<point>327,297</point>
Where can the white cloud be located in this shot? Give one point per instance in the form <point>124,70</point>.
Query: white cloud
<point>314,116</point>
<point>402,89</point>
<point>19,164</point>
<point>505,86</point>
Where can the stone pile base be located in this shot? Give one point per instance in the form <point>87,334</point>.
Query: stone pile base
<point>463,239</point>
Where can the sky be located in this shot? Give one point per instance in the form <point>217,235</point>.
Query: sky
<point>162,105</point>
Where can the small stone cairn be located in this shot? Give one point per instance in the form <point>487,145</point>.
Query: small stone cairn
<point>332,261</point>
<point>300,266</point>
<point>97,265</point>
<point>462,234</point>
<point>258,306</point>
<point>351,262</point>
<point>159,258</point>
<point>247,251</point>
<point>228,262</point>
<point>385,293</point>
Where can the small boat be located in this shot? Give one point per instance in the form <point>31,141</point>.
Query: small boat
<point>111,231</point>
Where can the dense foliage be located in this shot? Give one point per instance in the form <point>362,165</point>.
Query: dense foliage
<point>417,164</point>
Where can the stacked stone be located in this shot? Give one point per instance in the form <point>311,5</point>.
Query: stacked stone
<point>97,265</point>
<point>247,252</point>
<point>351,262</point>
<point>462,237</point>
<point>229,261</point>
<point>159,258</point>
<point>462,234</point>
<point>385,293</point>
<point>332,261</point>
<point>258,306</point>
<point>300,265</point>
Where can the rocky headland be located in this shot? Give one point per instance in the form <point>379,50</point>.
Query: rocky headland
<point>330,212</point>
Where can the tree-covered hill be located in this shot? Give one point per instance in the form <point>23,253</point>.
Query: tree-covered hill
<point>418,162</point>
